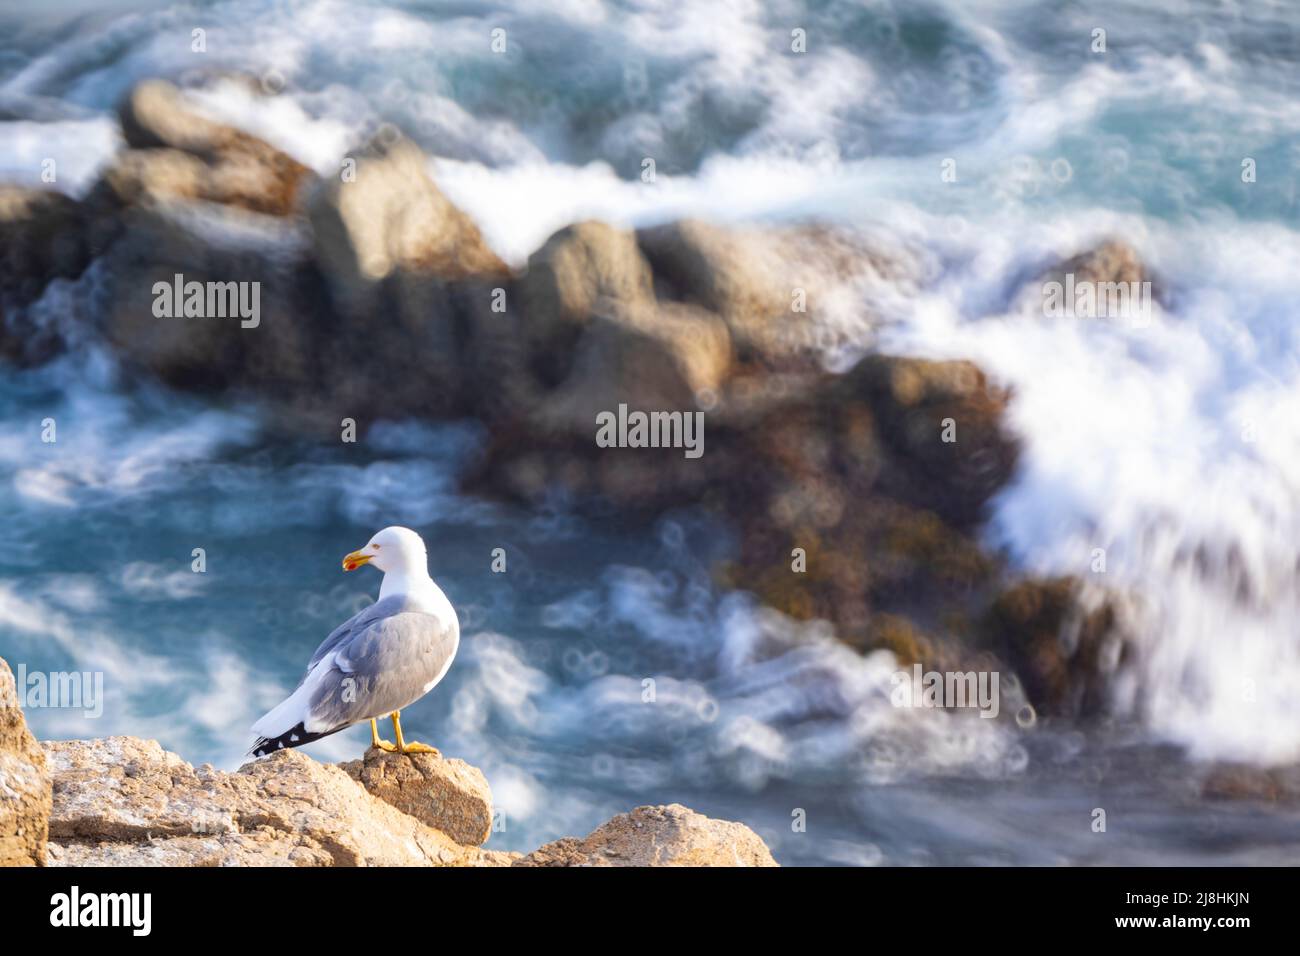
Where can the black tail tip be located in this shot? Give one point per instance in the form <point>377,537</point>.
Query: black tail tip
<point>295,736</point>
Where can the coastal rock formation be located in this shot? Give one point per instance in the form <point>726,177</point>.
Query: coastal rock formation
<point>446,794</point>
<point>44,236</point>
<point>179,153</point>
<point>123,800</point>
<point>583,270</point>
<point>389,217</point>
<point>1064,650</point>
<point>657,836</point>
<point>775,286</point>
<point>25,791</point>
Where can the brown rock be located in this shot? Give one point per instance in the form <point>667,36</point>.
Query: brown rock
<point>752,275</point>
<point>282,354</point>
<point>1111,261</point>
<point>652,358</point>
<point>447,794</point>
<point>24,783</point>
<point>239,179</point>
<point>232,166</point>
<point>1064,650</point>
<point>44,236</point>
<point>943,425</point>
<point>392,217</point>
<point>658,836</point>
<point>125,800</point>
<point>584,269</point>
<point>1235,781</point>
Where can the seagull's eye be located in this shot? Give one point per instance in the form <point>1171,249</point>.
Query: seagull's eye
<point>375,546</point>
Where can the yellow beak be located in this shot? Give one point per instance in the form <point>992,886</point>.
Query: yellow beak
<point>354,560</point>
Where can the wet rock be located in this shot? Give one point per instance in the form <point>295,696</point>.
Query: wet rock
<point>239,179</point>
<point>585,269</point>
<point>774,286</point>
<point>123,800</point>
<point>1100,281</point>
<point>392,217</point>
<point>284,353</point>
<point>182,154</point>
<point>1246,782</point>
<point>447,794</point>
<point>25,791</point>
<point>1110,261</point>
<point>942,423</point>
<point>653,357</point>
<point>658,836</point>
<point>1064,647</point>
<point>44,236</point>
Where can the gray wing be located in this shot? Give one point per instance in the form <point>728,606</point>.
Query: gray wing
<point>383,663</point>
<point>352,626</point>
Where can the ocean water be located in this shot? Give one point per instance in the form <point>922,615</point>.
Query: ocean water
<point>1174,445</point>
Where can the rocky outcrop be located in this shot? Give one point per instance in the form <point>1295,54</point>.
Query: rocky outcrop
<point>1247,782</point>
<point>446,794</point>
<point>584,270</point>
<point>25,791</point>
<point>774,285</point>
<point>44,236</point>
<point>179,153</point>
<point>658,836</point>
<point>389,218</point>
<point>1112,260</point>
<point>122,800</point>
<point>1064,649</point>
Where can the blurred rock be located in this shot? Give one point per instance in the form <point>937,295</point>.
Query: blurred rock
<point>447,794</point>
<point>754,276</point>
<point>182,154</point>
<point>942,423</point>
<point>658,836</point>
<point>666,357</point>
<point>392,217</point>
<point>1246,782</point>
<point>284,354</point>
<point>582,270</point>
<point>1110,261</point>
<point>25,791</point>
<point>1064,649</point>
<point>44,235</point>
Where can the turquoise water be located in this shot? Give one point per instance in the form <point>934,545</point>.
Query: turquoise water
<point>1133,437</point>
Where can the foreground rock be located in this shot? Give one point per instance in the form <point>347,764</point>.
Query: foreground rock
<point>24,783</point>
<point>657,836</point>
<point>447,794</point>
<point>124,801</point>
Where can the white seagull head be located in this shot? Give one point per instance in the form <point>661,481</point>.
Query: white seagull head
<point>394,549</point>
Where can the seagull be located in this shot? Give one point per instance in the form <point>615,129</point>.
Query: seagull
<point>384,658</point>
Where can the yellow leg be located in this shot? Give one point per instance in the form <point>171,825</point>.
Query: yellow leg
<point>376,742</point>
<point>409,748</point>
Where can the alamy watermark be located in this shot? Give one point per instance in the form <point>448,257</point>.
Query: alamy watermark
<point>1088,299</point>
<point>946,689</point>
<point>208,300</point>
<point>637,429</point>
<point>72,689</point>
